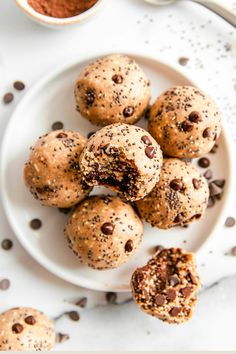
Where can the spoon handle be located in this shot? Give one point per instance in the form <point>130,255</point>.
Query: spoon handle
<point>220,9</point>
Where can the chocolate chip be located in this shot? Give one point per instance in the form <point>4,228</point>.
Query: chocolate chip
<point>90,134</point>
<point>171,294</point>
<point>7,244</point>
<point>150,152</point>
<point>206,133</point>
<point>214,189</point>
<point>61,136</point>
<point>107,228</point>
<point>183,61</point>
<point>204,162</point>
<point>179,217</point>
<point>128,111</point>
<point>4,284</point>
<point>118,79</point>
<point>158,249</point>
<point>82,302</point>
<point>230,222</point>
<point>30,320</point>
<point>186,291</point>
<point>8,98</point>
<point>194,117</point>
<point>129,246</point>
<point>208,174</point>
<point>57,126</point>
<point>65,210</point>
<point>146,140</point>
<point>196,183</point>
<point>187,126</point>
<point>17,328</point>
<point>219,182</point>
<point>89,97</point>
<point>19,85</point>
<point>73,315</point>
<point>111,297</point>
<point>35,224</point>
<point>233,251</point>
<point>175,311</point>
<point>211,202</point>
<point>214,149</point>
<point>160,300</point>
<point>174,280</point>
<point>176,184</point>
<point>62,337</point>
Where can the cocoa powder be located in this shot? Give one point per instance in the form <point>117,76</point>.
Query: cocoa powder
<point>61,8</point>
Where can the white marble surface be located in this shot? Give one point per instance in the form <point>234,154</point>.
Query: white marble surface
<point>27,52</point>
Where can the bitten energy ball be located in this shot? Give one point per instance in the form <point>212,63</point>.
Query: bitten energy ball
<point>124,158</point>
<point>23,329</point>
<point>185,122</point>
<point>52,173</point>
<point>104,232</point>
<point>167,286</point>
<point>112,89</point>
<point>180,196</point>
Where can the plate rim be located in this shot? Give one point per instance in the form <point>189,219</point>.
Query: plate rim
<point>48,264</point>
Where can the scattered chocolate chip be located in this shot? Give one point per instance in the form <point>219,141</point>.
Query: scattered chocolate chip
<point>57,126</point>
<point>196,183</point>
<point>111,297</point>
<point>175,311</point>
<point>30,320</point>
<point>82,302</point>
<point>208,174</point>
<point>230,221</point>
<point>187,126</point>
<point>214,189</point>
<point>214,149</point>
<point>17,328</point>
<point>160,300</point>
<point>73,315</point>
<point>150,152</point>
<point>183,61</point>
<point>171,294</point>
<point>62,337</point>
<point>118,79</point>
<point>176,184</point>
<point>89,97</point>
<point>65,210</point>
<point>90,134</point>
<point>219,182</point>
<point>233,251</point>
<point>206,133</point>
<point>179,217</point>
<point>7,244</point>
<point>186,291</point>
<point>211,202</point>
<point>35,224</point>
<point>204,162</point>
<point>61,136</point>
<point>146,140</point>
<point>194,117</point>
<point>107,228</point>
<point>158,249</point>
<point>19,85</point>
<point>128,111</point>
<point>4,284</point>
<point>129,246</point>
<point>8,98</point>
<point>174,280</point>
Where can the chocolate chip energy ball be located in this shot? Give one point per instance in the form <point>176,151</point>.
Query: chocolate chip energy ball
<point>167,286</point>
<point>52,173</point>
<point>124,158</point>
<point>104,232</point>
<point>179,198</point>
<point>185,122</point>
<point>113,89</point>
<point>23,329</point>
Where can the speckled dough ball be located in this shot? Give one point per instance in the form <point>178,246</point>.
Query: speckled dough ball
<point>124,158</point>
<point>113,89</point>
<point>179,198</point>
<point>185,122</point>
<point>52,173</point>
<point>104,232</point>
<point>23,329</point>
<point>167,286</point>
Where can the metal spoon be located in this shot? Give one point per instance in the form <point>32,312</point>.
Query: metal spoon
<point>214,5</point>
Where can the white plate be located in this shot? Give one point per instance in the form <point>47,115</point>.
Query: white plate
<point>52,100</point>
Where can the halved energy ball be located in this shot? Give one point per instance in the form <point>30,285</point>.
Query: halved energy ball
<point>52,173</point>
<point>124,158</point>
<point>113,89</point>
<point>185,122</point>
<point>179,198</point>
<point>166,287</point>
<point>104,232</point>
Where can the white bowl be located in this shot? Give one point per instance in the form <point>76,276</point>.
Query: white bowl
<point>53,22</point>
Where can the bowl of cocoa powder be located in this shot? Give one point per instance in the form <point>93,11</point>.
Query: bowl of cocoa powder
<point>59,13</point>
